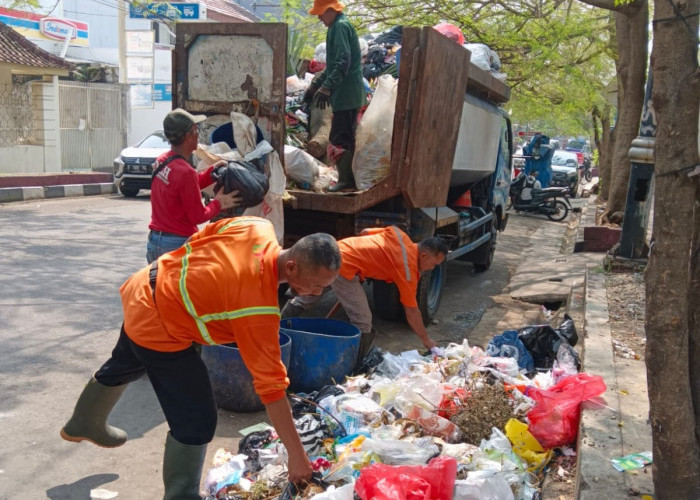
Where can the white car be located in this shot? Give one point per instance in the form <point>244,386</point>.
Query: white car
<point>134,166</point>
<point>565,171</point>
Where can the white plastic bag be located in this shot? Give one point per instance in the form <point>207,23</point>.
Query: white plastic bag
<point>271,208</point>
<point>483,485</point>
<point>301,167</point>
<point>345,492</point>
<point>372,158</point>
<point>244,133</point>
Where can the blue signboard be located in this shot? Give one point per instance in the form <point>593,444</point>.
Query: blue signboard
<point>165,10</point>
<point>162,92</point>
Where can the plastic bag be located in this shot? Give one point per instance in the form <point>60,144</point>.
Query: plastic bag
<point>244,177</point>
<point>434,425</point>
<point>345,492</point>
<point>450,31</point>
<point>508,345</point>
<point>396,452</point>
<point>434,481</point>
<point>271,207</point>
<point>372,158</point>
<point>543,341</point>
<point>301,167</point>
<point>554,419</point>
<point>525,445</point>
<point>244,133</point>
<point>483,485</point>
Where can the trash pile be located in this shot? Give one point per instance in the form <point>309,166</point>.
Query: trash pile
<point>461,423</point>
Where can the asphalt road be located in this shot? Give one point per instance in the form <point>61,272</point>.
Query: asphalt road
<point>62,263</point>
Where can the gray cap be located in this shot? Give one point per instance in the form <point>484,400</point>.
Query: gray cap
<point>178,122</point>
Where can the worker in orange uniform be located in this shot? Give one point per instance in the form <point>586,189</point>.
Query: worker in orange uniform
<point>220,287</point>
<point>386,254</point>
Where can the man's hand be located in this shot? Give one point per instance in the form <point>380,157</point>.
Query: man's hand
<point>299,470</point>
<point>323,97</point>
<point>310,93</point>
<point>230,200</point>
<point>414,318</point>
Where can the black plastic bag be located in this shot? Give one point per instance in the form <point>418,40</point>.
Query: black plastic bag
<point>543,341</point>
<point>368,364</point>
<point>245,177</point>
<point>250,445</point>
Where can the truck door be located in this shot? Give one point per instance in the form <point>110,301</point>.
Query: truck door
<point>224,67</point>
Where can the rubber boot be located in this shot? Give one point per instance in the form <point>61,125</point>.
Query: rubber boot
<point>291,310</point>
<point>89,420</point>
<point>366,341</point>
<point>182,469</point>
<point>346,180</point>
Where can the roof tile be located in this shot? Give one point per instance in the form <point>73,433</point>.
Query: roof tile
<point>16,49</point>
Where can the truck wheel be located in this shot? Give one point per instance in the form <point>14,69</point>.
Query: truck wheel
<point>430,291</point>
<point>386,301</point>
<point>129,192</point>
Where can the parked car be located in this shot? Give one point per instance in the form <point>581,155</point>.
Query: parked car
<point>518,161</point>
<point>583,150</point>
<point>134,166</point>
<point>565,171</point>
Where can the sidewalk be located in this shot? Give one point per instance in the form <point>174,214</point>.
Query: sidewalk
<point>22,187</point>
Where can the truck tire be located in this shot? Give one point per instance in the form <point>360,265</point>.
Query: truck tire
<point>482,257</point>
<point>386,301</point>
<point>430,289</point>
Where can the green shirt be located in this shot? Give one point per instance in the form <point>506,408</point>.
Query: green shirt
<point>343,73</point>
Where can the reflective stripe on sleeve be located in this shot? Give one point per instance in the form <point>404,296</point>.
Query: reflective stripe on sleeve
<point>403,252</point>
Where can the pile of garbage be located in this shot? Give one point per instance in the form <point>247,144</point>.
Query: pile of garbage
<point>460,423</point>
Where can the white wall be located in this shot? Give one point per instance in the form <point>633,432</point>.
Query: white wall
<point>145,121</point>
<point>22,160</point>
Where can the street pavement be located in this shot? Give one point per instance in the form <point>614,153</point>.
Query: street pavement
<point>64,260</point>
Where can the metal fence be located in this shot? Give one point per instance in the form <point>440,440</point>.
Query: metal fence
<point>16,121</point>
<point>93,130</point>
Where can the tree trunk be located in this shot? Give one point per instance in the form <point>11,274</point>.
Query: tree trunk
<point>632,38</point>
<point>673,334</point>
<point>604,143</point>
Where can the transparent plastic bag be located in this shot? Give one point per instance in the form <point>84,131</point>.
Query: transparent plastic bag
<point>396,452</point>
<point>372,159</point>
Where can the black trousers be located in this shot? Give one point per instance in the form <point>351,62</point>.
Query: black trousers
<point>181,383</point>
<point>343,129</point>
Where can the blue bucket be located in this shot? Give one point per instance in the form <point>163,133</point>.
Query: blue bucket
<point>323,350</point>
<point>230,379</point>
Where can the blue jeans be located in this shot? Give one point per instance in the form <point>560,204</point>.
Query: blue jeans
<point>159,244</point>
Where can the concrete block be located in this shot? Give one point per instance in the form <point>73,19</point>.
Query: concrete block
<point>11,194</point>
<point>600,238</point>
<point>73,190</point>
<point>33,193</point>
<point>54,192</point>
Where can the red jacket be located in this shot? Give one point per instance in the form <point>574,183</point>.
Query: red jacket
<point>176,198</point>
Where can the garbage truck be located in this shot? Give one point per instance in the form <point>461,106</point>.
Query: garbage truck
<point>451,145</point>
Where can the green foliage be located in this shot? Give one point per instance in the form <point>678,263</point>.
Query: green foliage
<point>20,4</point>
<point>305,31</point>
<point>557,55</point>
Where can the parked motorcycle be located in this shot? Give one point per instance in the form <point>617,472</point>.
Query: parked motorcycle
<point>548,201</point>
<point>586,171</point>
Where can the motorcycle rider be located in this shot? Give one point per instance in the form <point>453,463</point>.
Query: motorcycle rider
<point>531,183</point>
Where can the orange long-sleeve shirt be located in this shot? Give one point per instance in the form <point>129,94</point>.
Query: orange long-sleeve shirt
<point>386,254</point>
<point>220,287</point>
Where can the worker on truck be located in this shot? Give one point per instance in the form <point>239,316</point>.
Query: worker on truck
<point>220,287</point>
<point>339,84</point>
<point>386,254</point>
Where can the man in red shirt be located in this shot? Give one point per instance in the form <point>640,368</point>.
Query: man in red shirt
<point>386,254</point>
<point>176,198</point>
<point>219,287</point>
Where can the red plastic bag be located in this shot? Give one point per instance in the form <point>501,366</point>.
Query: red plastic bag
<point>435,481</point>
<point>554,419</point>
<point>450,31</point>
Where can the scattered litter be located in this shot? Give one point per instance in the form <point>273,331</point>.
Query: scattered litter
<point>632,461</point>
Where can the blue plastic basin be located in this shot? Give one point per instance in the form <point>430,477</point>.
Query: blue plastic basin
<point>230,379</point>
<point>323,351</point>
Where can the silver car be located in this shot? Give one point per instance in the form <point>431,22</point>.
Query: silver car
<point>134,166</point>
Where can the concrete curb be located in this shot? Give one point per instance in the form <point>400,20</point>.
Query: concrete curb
<point>622,426</point>
<point>11,194</point>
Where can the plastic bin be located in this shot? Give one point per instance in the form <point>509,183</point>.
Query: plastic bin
<point>230,379</point>
<point>323,351</point>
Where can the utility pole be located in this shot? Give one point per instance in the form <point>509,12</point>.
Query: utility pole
<point>121,28</point>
